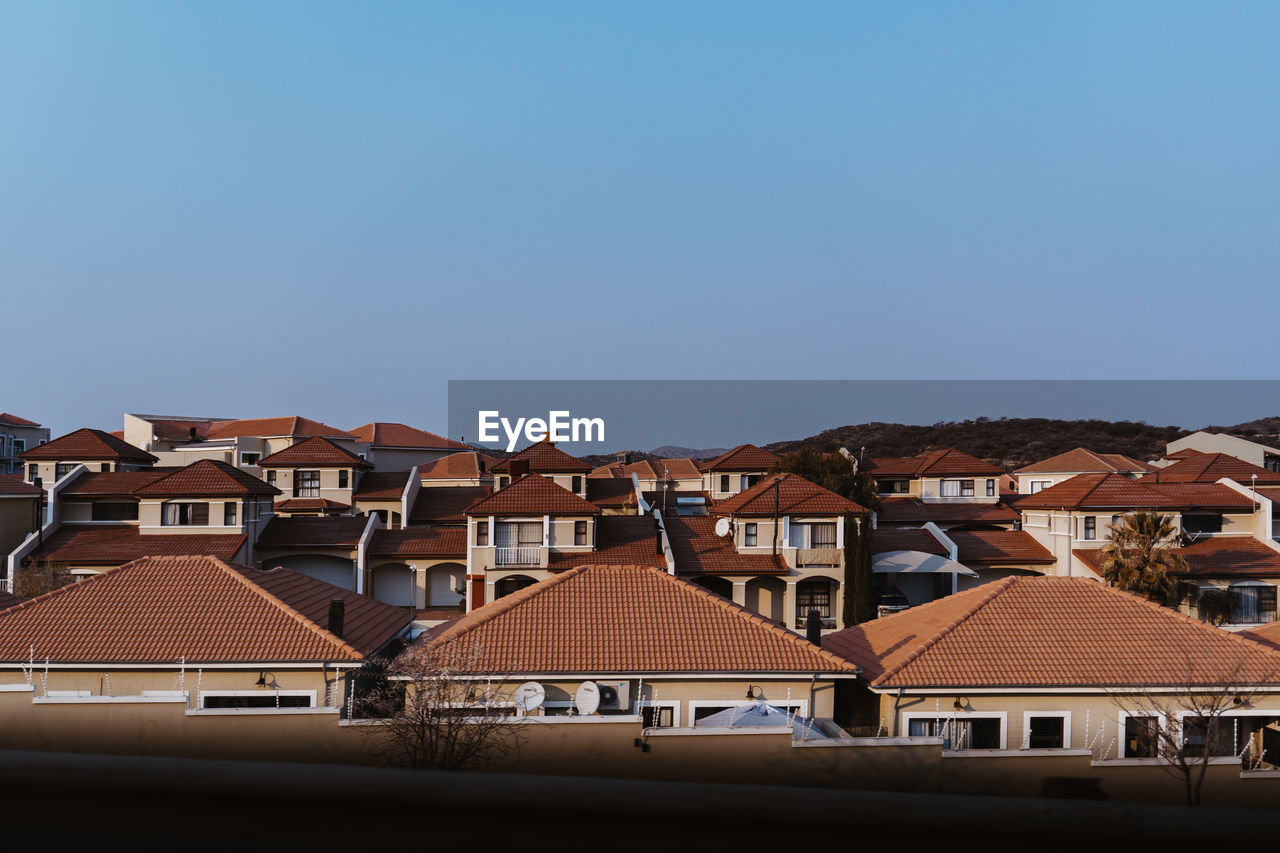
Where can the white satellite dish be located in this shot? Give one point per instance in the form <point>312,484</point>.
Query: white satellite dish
<point>722,527</point>
<point>587,699</point>
<point>529,696</point>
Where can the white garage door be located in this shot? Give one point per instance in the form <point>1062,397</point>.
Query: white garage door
<point>393,584</point>
<point>334,570</point>
<point>443,581</point>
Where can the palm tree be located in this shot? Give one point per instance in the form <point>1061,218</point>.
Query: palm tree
<point>1140,554</point>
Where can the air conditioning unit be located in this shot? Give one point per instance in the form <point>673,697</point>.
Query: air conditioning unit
<point>614,695</point>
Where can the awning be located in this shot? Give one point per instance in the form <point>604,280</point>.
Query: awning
<point>917,562</point>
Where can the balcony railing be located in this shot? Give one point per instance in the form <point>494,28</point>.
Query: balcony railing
<point>517,556</point>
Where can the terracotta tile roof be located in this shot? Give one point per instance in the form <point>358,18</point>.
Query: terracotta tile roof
<point>620,540</point>
<point>382,485</point>
<point>418,542</point>
<point>794,496</point>
<point>569,624</point>
<point>1049,632</point>
<point>88,445</point>
<point>697,549</point>
<point>113,483</point>
<point>445,504</point>
<point>309,505</point>
<point>113,544</point>
<point>458,466</point>
<point>648,469</point>
<point>12,485</point>
<point>1184,453</point>
<point>207,478</point>
<point>911,539</point>
<point>342,531</point>
<point>313,452</point>
<point>937,463</point>
<point>8,599</point>
<point>1271,493</point>
<point>744,457</point>
<point>544,458</point>
<point>1210,468</point>
<point>916,511</point>
<point>381,434</point>
<point>532,494</point>
<point>13,420</point>
<point>158,609</point>
<point>611,493</point>
<point>291,427</point>
<point>1099,491</point>
<point>998,546</point>
<point>1206,496</point>
<point>179,429</point>
<point>1084,461</point>
<point>655,499</point>
<point>1213,557</point>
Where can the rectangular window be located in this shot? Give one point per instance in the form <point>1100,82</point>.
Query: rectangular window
<point>482,533</point>
<point>105,467</point>
<point>1201,523</point>
<point>894,487</point>
<point>658,716</point>
<point>1141,737</point>
<point>19,446</point>
<point>1046,732</point>
<point>957,732</point>
<point>250,458</point>
<point>749,534</point>
<point>1038,485</point>
<point>266,699</point>
<point>822,535</point>
<point>519,534</point>
<point>1090,527</point>
<point>173,513</point>
<point>62,469</point>
<point>576,485</point>
<point>271,477</point>
<point>115,511</point>
<point>724,482</point>
<point>306,484</point>
<point>229,514</point>
<point>966,488</point>
<point>33,471</point>
<point>991,488</point>
<point>1253,604</point>
<point>813,595</point>
<point>579,533</point>
<point>343,479</point>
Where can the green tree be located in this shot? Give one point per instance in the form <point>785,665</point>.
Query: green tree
<point>1140,556</point>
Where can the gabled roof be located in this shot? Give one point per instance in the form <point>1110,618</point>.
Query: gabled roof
<point>433,542</point>
<point>286,427</point>
<point>910,539</point>
<point>1085,461</point>
<point>13,486</point>
<point>1099,491</point>
<point>1210,468</point>
<point>613,494</point>
<point>309,505</point>
<point>532,494</point>
<point>88,445</point>
<point>937,463</point>
<point>342,531</point>
<point>544,458</point>
<point>620,540</point>
<point>648,469</point>
<point>1049,632</point>
<point>315,452</point>
<point>1213,557</point>
<point>389,435</point>
<point>791,494</point>
<point>382,485</point>
<point>744,457</point>
<point>1206,496</point>
<point>7,419</point>
<point>445,504</point>
<point>158,608</point>
<point>468,465</point>
<point>696,548</point>
<point>909,510</point>
<point>569,624</point>
<point>998,546</point>
<point>113,483</point>
<point>113,544</point>
<point>208,478</point>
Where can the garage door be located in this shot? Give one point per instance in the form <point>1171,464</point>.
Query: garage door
<point>334,570</point>
<point>393,584</point>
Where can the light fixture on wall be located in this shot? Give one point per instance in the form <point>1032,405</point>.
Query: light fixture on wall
<point>264,678</point>
<point>754,691</point>
<point>960,703</point>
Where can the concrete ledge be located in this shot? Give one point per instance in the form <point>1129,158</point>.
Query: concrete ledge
<point>1156,762</point>
<point>1014,753</point>
<point>871,742</point>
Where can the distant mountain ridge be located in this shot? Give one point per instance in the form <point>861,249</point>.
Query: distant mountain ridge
<point>670,451</point>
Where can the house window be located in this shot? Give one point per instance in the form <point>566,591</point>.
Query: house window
<point>576,484</point>
<point>33,471</point>
<point>822,535</point>
<point>1202,523</point>
<point>271,477</point>
<point>749,480</point>
<point>1141,737</point>
<point>501,482</point>
<point>250,458</point>
<point>519,534</point>
<point>105,467</point>
<point>1046,732</point>
<point>114,511</point>
<point>1038,485</point>
<point>62,469</point>
<point>306,484</point>
<point>19,446</point>
<point>813,595</point>
<point>991,488</point>
<point>482,533</point>
<point>267,699</point>
<point>173,513</point>
<point>229,514</point>
<point>957,488</point>
<point>1090,527</point>
<point>894,487</point>
<point>579,533</point>
<point>658,716</point>
<point>724,482</point>
<point>749,534</point>
<point>1254,604</point>
<point>515,583</point>
<point>343,479</point>
<point>958,732</point>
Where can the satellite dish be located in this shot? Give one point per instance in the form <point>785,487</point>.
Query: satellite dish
<point>722,527</point>
<point>529,696</point>
<point>587,699</point>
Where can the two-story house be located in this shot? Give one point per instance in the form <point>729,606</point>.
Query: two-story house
<point>547,460</point>
<point>1052,471</point>
<point>947,487</point>
<point>397,447</point>
<point>17,435</point>
<point>316,476</point>
<point>736,470</point>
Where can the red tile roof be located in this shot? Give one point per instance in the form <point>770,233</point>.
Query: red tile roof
<point>1206,496</point>
<point>458,466</point>
<point>544,458</point>
<point>1210,468</point>
<point>445,504</point>
<point>792,495</point>
<point>313,452</point>
<point>380,434</point>
<point>614,494</point>
<point>309,505</point>
<point>418,542</point>
<point>88,445</point>
<point>290,427</point>
<point>207,478</point>
<point>1049,632</point>
<point>382,485</point>
<point>13,486</point>
<point>911,539</point>
<point>113,544</point>
<point>113,483</point>
<point>13,420</point>
<point>1213,557</point>
<point>697,549</point>
<point>1084,461</point>
<point>158,609</point>
<point>649,469</point>
<point>1099,491</point>
<point>532,494</point>
<point>937,463</point>
<point>569,624</point>
<point>1184,453</point>
<point>744,457</point>
<point>998,546</point>
<point>916,511</point>
<point>168,429</point>
<point>342,531</point>
<point>620,540</point>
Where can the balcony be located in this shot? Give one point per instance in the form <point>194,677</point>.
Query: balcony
<point>523,555</point>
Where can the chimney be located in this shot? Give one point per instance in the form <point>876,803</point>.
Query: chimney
<point>337,614</point>
<point>813,627</point>
<point>518,467</point>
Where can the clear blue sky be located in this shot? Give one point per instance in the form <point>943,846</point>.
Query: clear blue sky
<point>329,209</point>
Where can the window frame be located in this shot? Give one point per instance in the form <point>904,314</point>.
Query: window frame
<point>1001,716</point>
<point>302,483</point>
<point>579,533</point>
<point>750,534</point>
<point>1065,716</point>
<point>187,509</point>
